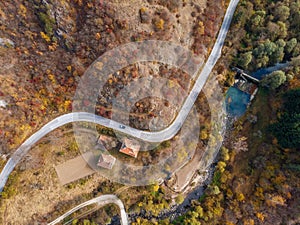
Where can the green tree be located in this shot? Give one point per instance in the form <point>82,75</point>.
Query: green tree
<point>259,51</point>
<point>295,19</point>
<point>282,29</point>
<point>255,22</point>
<point>199,210</point>
<point>274,80</point>
<point>281,12</point>
<point>290,45</point>
<point>287,130</point>
<point>292,101</point>
<point>296,50</point>
<point>214,190</point>
<point>269,47</point>
<point>245,59</point>
<point>278,54</point>
<point>280,43</point>
<point>242,14</point>
<point>225,154</point>
<point>262,62</point>
<point>179,199</point>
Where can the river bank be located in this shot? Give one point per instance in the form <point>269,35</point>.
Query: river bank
<point>239,104</point>
<point>238,100</point>
<point>177,209</point>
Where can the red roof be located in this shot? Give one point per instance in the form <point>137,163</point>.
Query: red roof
<point>130,147</point>
<point>129,151</point>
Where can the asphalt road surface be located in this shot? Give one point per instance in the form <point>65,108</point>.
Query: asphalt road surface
<point>101,201</point>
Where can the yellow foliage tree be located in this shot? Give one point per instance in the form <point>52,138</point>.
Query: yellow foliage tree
<point>200,28</point>
<point>260,216</point>
<point>240,197</point>
<point>45,36</point>
<point>22,10</point>
<point>160,24</point>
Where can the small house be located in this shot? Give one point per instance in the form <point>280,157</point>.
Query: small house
<point>130,147</point>
<point>106,161</point>
<point>107,142</point>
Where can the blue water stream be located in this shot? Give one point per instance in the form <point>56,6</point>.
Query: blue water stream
<point>238,101</point>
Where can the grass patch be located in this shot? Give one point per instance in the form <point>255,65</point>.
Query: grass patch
<point>216,180</point>
<point>10,189</point>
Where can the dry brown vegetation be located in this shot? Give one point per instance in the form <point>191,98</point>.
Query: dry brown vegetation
<point>54,43</point>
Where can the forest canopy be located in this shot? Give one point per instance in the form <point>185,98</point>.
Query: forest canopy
<point>287,129</point>
<point>270,33</point>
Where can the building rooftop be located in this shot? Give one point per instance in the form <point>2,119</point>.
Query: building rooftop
<point>106,161</point>
<point>130,147</point>
<point>106,142</point>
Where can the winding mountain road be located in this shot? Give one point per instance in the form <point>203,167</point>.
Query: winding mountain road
<point>101,201</point>
<point>158,136</point>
